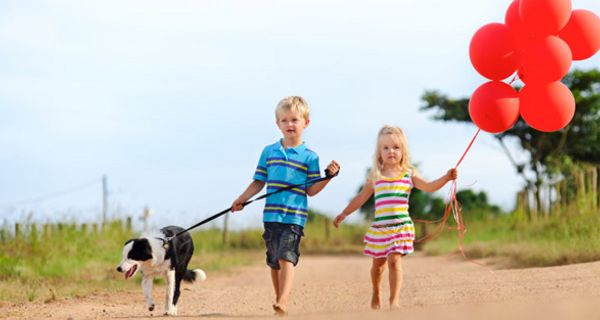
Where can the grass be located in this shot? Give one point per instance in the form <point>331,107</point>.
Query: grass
<point>61,261</point>
<point>68,260</point>
<point>58,261</point>
<point>557,240</point>
<point>72,261</point>
<point>321,237</point>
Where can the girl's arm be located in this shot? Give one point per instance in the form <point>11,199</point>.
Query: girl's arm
<point>356,203</point>
<point>431,186</point>
<point>254,188</point>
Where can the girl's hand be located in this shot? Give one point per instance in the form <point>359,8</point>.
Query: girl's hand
<point>338,220</point>
<point>452,174</point>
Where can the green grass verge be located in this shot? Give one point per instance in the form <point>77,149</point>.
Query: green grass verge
<point>67,260</point>
<point>557,240</point>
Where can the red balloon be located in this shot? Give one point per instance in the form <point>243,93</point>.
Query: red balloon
<point>521,74</point>
<point>516,26</point>
<point>582,34</point>
<point>494,107</point>
<point>547,106</point>
<point>492,51</point>
<point>546,59</point>
<point>544,17</point>
<point>512,18</point>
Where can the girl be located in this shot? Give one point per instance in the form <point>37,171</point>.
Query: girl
<point>392,232</point>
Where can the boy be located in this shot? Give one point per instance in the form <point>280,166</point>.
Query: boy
<point>287,162</point>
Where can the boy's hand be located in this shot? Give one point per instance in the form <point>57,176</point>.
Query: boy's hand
<point>333,168</point>
<point>237,205</point>
<point>340,217</point>
<point>452,174</point>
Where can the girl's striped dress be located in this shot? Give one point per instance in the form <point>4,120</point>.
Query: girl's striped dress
<point>392,230</point>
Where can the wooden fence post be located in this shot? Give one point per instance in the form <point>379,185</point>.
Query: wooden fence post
<point>33,233</point>
<point>225,234</point>
<point>47,231</point>
<point>579,191</point>
<point>520,202</point>
<point>17,232</point>
<point>60,229</point>
<point>593,172</point>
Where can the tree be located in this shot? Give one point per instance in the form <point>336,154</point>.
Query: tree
<point>577,142</point>
<point>476,204</point>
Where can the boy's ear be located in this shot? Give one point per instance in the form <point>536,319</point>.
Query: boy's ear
<point>307,122</point>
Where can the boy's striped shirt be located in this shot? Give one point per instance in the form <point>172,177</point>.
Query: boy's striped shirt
<point>279,168</point>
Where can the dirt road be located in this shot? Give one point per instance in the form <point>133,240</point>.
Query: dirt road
<point>338,287</point>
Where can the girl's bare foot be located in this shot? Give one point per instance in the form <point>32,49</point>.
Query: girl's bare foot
<point>280,310</point>
<point>375,302</point>
<point>394,306</point>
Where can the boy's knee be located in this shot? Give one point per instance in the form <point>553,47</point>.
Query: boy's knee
<point>289,256</point>
<point>286,262</point>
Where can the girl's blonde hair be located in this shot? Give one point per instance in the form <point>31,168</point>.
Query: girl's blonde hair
<point>295,104</point>
<point>398,135</point>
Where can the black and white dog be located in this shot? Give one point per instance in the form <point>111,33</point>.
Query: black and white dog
<point>155,257</point>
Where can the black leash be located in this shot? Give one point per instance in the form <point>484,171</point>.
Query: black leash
<point>211,218</point>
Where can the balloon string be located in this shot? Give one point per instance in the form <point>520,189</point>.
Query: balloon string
<point>514,79</point>
<point>452,206</point>
<point>468,148</point>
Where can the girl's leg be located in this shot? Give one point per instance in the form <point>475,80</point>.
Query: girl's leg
<point>395,262</point>
<point>275,280</point>
<point>377,269</point>
<point>286,278</point>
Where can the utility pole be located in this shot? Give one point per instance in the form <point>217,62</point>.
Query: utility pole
<point>104,198</point>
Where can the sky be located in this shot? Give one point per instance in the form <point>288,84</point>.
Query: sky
<point>173,101</point>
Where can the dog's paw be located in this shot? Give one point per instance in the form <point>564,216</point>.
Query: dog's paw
<point>171,312</point>
<point>151,308</point>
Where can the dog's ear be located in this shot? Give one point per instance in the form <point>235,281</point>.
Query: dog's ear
<point>128,241</point>
<point>140,250</point>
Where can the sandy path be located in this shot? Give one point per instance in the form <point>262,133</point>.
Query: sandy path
<point>338,287</point>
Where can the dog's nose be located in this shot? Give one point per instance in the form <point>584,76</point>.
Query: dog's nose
<point>119,269</point>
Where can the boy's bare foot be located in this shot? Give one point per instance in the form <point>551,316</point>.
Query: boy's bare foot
<point>280,310</point>
<point>394,306</point>
<point>375,302</point>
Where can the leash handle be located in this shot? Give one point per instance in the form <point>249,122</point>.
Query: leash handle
<point>327,176</point>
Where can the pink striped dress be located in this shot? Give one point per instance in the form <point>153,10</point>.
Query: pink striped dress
<point>392,230</point>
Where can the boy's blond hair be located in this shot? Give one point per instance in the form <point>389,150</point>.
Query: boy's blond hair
<point>398,135</point>
<point>294,104</point>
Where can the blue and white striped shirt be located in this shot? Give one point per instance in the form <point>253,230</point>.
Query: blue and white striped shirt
<point>279,168</point>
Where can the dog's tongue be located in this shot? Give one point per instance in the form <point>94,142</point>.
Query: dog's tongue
<point>130,272</point>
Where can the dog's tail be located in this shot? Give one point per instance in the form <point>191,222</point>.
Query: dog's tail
<point>195,275</point>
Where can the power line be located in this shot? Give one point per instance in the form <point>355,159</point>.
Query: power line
<point>52,195</point>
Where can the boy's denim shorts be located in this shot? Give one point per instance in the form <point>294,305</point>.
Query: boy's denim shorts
<point>282,242</point>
